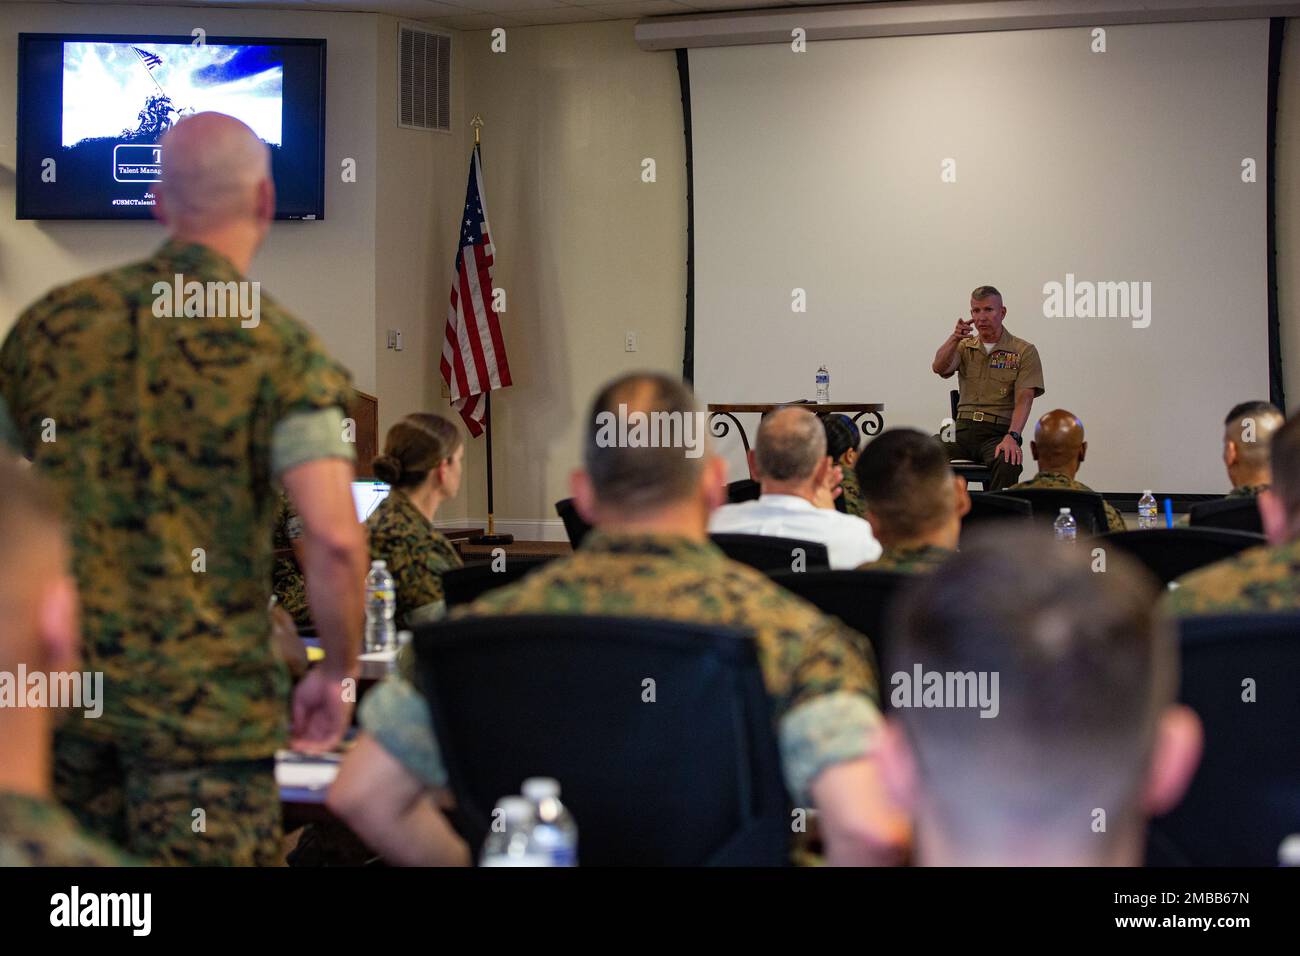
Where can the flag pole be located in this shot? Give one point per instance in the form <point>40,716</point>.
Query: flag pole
<point>491,538</point>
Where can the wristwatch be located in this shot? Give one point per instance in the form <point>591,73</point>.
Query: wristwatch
<point>1016,435</point>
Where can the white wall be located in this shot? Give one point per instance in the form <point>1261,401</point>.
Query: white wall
<point>419,195</point>
<point>584,249</point>
<point>825,172</point>
<point>323,272</point>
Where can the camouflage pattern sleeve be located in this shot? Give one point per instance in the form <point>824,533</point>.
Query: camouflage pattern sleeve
<point>1257,580</point>
<point>13,370</point>
<point>1114,520</point>
<point>832,729</point>
<point>833,713</point>
<point>854,503</point>
<point>37,832</point>
<point>415,554</point>
<point>397,716</point>
<point>287,582</point>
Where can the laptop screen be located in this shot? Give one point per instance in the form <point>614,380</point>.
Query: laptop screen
<point>367,495</point>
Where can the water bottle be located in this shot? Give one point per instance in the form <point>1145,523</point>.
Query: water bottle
<point>1065,527</point>
<point>823,386</point>
<point>510,840</point>
<point>1288,854</point>
<point>381,607</point>
<point>554,831</point>
<point>1147,510</point>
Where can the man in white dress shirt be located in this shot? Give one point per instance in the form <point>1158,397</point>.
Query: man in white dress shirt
<point>797,480</point>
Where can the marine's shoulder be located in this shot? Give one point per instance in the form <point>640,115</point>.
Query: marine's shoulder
<point>95,294</point>
<point>1016,344</point>
<point>1240,568</point>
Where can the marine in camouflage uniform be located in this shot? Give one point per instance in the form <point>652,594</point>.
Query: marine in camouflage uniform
<point>287,582</point>
<point>918,560</point>
<point>1049,479</point>
<point>36,832</point>
<point>854,503</point>
<point>416,555</point>
<point>1258,579</point>
<point>820,676</point>
<point>1240,491</point>
<point>162,436</point>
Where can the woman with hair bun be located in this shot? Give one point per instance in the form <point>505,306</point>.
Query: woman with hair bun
<point>422,461</point>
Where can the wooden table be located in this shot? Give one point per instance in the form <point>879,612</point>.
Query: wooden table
<point>723,416</point>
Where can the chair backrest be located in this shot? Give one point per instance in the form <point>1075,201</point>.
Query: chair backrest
<point>769,553</point>
<point>1235,514</point>
<point>463,585</point>
<point>744,489</point>
<point>861,599</point>
<point>1087,507</point>
<point>575,526</point>
<point>986,506</point>
<point>1171,552</point>
<point>683,771</point>
<point>1244,799</point>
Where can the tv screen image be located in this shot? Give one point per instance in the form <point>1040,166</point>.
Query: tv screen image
<point>367,495</point>
<point>93,111</point>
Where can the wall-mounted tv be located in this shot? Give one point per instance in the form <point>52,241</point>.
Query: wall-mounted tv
<point>92,109</point>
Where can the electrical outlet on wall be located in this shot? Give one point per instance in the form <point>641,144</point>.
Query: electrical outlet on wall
<point>629,343</point>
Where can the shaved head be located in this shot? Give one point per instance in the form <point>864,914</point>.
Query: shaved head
<point>1059,442</point>
<point>1249,429</point>
<point>214,168</point>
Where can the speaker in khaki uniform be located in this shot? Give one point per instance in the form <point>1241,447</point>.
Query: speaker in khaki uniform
<point>999,375</point>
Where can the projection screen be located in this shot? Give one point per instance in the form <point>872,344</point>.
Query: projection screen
<point>884,179</point>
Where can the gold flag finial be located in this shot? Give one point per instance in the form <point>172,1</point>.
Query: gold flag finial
<point>477,123</point>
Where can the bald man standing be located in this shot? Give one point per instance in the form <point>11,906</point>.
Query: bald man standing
<point>1059,448</point>
<point>161,400</point>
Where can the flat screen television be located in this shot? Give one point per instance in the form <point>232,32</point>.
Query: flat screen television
<point>93,107</point>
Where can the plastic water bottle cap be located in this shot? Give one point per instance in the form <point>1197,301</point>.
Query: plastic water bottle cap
<point>378,564</point>
<point>1146,491</point>
<point>541,788</point>
<point>1288,854</point>
<point>1065,511</point>
<point>516,809</point>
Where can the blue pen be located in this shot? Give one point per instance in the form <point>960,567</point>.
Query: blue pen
<point>1169,512</point>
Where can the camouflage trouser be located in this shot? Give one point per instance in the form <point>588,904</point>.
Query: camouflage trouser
<point>149,809</point>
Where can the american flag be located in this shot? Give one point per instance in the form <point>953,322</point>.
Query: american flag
<point>473,353</point>
<point>150,59</point>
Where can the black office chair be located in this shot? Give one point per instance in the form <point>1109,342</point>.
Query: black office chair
<point>1245,797</point>
<point>988,506</point>
<point>1171,552</point>
<point>689,777</point>
<point>861,599</point>
<point>1234,514</point>
<point>745,489</point>
<point>1087,507</point>
<point>463,585</point>
<point>972,471</point>
<point>575,526</point>
<point>769,553</point>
